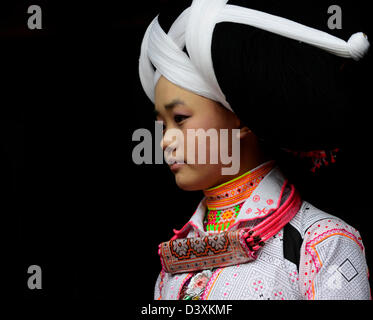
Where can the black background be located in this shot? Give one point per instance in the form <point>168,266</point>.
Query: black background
<point>86,214</point>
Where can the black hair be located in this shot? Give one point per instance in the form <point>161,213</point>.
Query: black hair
<point>292,95</point>
<point>288,93</point>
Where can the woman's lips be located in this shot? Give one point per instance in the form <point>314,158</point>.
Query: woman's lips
<point>176,166</point>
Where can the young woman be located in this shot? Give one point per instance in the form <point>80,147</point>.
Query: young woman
<point>222,66</point>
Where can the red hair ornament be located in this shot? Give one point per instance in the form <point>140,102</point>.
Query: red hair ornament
<point>318,158</point>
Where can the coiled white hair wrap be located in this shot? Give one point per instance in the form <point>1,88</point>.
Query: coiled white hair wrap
<point>194,28</point>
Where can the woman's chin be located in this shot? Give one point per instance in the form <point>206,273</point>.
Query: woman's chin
<point>187,182</point>
<point>183,184</point>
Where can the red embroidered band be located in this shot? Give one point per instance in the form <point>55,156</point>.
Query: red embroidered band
<point>229,247</point>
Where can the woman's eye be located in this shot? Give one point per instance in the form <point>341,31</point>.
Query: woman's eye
<point>179,118</point>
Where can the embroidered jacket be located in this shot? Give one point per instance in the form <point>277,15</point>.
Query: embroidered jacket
<point>322,258</point>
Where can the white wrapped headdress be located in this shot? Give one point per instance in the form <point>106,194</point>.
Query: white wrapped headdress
<point>196,73</point>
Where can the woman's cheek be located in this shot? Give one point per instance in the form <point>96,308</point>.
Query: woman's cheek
<point>190,146</point>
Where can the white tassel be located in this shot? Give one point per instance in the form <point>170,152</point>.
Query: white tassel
<point>358,45</point>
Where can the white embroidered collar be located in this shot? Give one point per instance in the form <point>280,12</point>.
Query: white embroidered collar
<point>266,196</point>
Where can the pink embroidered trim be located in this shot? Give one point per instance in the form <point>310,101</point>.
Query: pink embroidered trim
<point>310,246</point>
<point>161,258</point>
<point>310,293</point>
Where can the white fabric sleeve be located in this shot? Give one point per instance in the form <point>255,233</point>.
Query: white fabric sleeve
<point>332,263</point>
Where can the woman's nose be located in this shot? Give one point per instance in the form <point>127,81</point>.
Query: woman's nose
<point>172,140</point>
<point>164,142</point>
<point>168,137</point>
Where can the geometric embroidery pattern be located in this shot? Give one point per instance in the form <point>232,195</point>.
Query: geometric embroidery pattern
<point>224,202</point>
<point>347,270</point>
<point>220,220</point>
<point>332,252</point>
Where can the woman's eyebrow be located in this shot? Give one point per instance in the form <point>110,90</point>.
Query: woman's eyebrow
<point>173,104</point>
<point>170,106</point>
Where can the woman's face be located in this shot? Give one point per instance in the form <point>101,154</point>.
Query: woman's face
<point>181,109</point>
